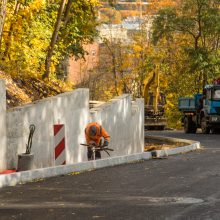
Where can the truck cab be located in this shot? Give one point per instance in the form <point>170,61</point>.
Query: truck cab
<point>210,113</point>
<point>202,111</point>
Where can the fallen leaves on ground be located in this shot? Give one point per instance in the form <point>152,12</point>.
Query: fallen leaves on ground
<point>155,146</point>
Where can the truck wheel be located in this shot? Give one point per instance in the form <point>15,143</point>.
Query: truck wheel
<point>186,125</point>
<point>162,127</point>
<point>204,127</point>
<point>193,128</point>
<point>215,131</point>
<point>189,125</point>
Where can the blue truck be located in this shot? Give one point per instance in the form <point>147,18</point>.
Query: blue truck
<point>201,110</point>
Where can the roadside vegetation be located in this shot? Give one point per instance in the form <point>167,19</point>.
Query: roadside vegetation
<point>182,45</point>
<point>36,37</point>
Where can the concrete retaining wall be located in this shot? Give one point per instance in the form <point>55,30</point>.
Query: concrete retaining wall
<point>122,118</point>
<point>70,109</point>
<point>3,162</point>
<point>124,121</point>
<point>137,127</point>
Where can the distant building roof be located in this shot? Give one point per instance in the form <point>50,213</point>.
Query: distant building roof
<point>132,23</point>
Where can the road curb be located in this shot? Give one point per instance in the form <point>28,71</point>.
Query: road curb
<point>192,145</point>
<point>37,174</point>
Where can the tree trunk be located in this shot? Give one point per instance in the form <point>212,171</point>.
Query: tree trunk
<point>54,39</point>
<point>114,73</point>
<point>2,18</point>
<point>113,58</point>
<point>67,12</point>
<point>11,29</point>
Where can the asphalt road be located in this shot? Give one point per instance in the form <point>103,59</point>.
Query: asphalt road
<point>207,140</point>
<point>186,186</point>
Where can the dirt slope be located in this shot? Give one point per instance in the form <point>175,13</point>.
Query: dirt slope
<point>28,89</point>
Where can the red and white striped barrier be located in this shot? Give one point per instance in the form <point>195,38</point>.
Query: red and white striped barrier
<point>59,144</point>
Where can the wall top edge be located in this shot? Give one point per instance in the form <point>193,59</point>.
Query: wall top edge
<point>71,92</point>
<point>105,105</point>
<point>2,81</point>
<point>121,96</point>
<point>48,99</point>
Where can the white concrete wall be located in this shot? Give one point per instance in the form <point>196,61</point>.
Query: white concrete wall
<point>122,118</point>
<point>124,121</point>
<point>137,126</point>
<point>18,122</point>
<point>3,162</point>
<point>70,109</point>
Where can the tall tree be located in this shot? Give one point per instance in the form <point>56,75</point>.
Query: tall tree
<point>195,26</point>
<point>54,38</point>
<point>2,18</point>
<point>11,29</point>
<point>189,32</point>
<point>75,26</point>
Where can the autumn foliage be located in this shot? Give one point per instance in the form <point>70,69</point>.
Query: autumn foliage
<point>36,35</point>
<point>177,39</point>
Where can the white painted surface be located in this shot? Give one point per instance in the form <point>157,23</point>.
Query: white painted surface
<point>3,148</point>
<point>70,109</point>
<point>122,118</point>
<point>124,121</point>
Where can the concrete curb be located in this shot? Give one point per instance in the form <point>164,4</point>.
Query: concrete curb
<point>33,175</point>
<point>192,145</point>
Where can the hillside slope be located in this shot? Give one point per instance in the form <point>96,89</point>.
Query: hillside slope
<point>28,89</point>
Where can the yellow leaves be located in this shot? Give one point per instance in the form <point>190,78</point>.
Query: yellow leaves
<point>137,48</point>
<point>29,11</point>
<point>170,96</point>
<point>167,3</point>
<point>95,2</point>
<point>37,5</point>
<point>74,173</point>
<point>110,15</point>
<point>37,180</point>
<point>169,104</point>
<point>158,4</point>
<point>108,93</point>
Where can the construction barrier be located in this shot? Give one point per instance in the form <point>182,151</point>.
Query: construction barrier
<point>59,144</point>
